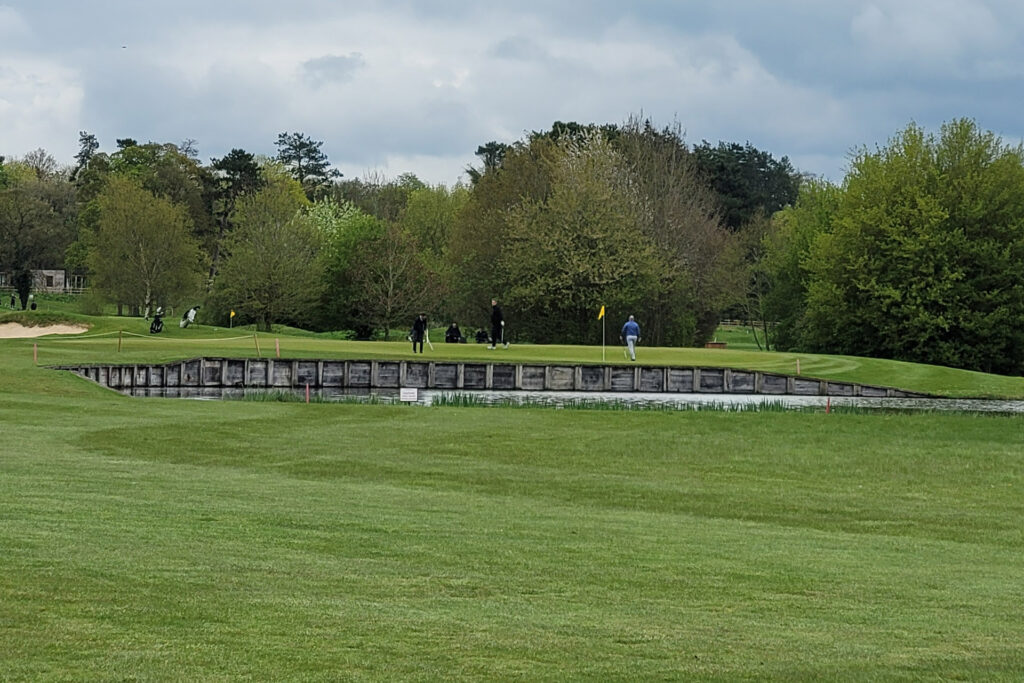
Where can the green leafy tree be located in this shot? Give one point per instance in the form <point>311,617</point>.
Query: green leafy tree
<point>143,252</point>
<point>749,182</point>
<point>393,281</point>
<point>925,257</point>
<point>572,131</point>
<point>36,224</point>
<point>700,271</point>
<point>786,261</point>
<point>579,248</point>
<point>430,213</point>
<point>334,221</point>
<point>167,171</point>
<point>688,267</point>
<point>272,271</point>
<point>42,163</point>
<point>491,155</point>
<point>377,195</point>
<point>87,147</point>
<point>89,182</point>
<point>345,231</point>
<point>308,164</point>
<point>481,228</point>
<point>754,305</point>
<point>235,174</point>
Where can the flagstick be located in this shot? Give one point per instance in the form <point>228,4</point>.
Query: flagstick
<point>603,322</point>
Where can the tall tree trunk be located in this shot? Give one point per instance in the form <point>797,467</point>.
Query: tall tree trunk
<point>148,302</point>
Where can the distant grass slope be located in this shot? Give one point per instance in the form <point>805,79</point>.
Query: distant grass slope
<point>739,337</point>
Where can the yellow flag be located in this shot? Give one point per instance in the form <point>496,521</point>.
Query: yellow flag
<point>232,314</point>
<point>601,314</point>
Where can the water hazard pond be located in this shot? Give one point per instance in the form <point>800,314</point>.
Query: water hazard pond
<point>617,399</point>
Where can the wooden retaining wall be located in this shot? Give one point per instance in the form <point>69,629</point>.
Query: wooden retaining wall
<point>385,374</point>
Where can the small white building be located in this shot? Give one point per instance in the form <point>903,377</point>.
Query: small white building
<point>52,281</point>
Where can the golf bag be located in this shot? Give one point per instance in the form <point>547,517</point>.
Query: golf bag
<point>189,317</point>
<point>157,326</point>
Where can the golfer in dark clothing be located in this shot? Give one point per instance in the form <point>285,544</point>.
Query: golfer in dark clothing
<point>497,325</point>
<point>419,330</point>
<point>453,335</point>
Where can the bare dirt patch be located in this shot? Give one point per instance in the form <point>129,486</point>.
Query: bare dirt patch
<point>19,331</point>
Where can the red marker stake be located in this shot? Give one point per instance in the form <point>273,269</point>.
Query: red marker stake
<point>277,345</point>
<point>307,392</point>
<point>35,354</point>
<point>828,405</point>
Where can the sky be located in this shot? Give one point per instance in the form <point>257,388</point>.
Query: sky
<point>391,87</point>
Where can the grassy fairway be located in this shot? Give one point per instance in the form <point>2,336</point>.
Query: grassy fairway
<point>170,539</point>
<point>177,539</point>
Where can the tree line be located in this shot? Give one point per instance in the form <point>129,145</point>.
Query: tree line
<point>917,254</point>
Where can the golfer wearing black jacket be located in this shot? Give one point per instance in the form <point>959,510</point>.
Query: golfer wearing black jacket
<point>419,330</point>
<point>497,325</point>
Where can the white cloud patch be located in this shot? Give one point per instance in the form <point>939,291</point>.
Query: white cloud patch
<point>519,48</point>
<point>39,106</point>
<point>433,169</point>
<point>12,24</point>
<point>332,69</point>
<point>926,33</point>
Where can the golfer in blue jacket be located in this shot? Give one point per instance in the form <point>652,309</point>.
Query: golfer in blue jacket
<point>631,334</point>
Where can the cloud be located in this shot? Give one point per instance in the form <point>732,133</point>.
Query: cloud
<point>391,82</point>
<point>332,68</point>
<point>519,48</point>
<point>12,24</point>
<point>932,35</point>
<point>37,98</point>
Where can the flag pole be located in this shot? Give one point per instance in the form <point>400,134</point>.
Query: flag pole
<point>603,322</point>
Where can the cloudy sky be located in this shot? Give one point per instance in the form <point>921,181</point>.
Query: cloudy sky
<point>395,86</point>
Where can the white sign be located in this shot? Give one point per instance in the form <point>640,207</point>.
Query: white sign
<point>408,394</point>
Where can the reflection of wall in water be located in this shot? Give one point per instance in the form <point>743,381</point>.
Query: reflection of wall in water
<point>386,374</point>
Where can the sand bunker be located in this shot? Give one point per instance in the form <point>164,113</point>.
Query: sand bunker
<point>19,331</point>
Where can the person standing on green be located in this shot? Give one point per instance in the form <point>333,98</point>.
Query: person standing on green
<point>631,334</point>
<point>497,325</point>
<point>419,332</point>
